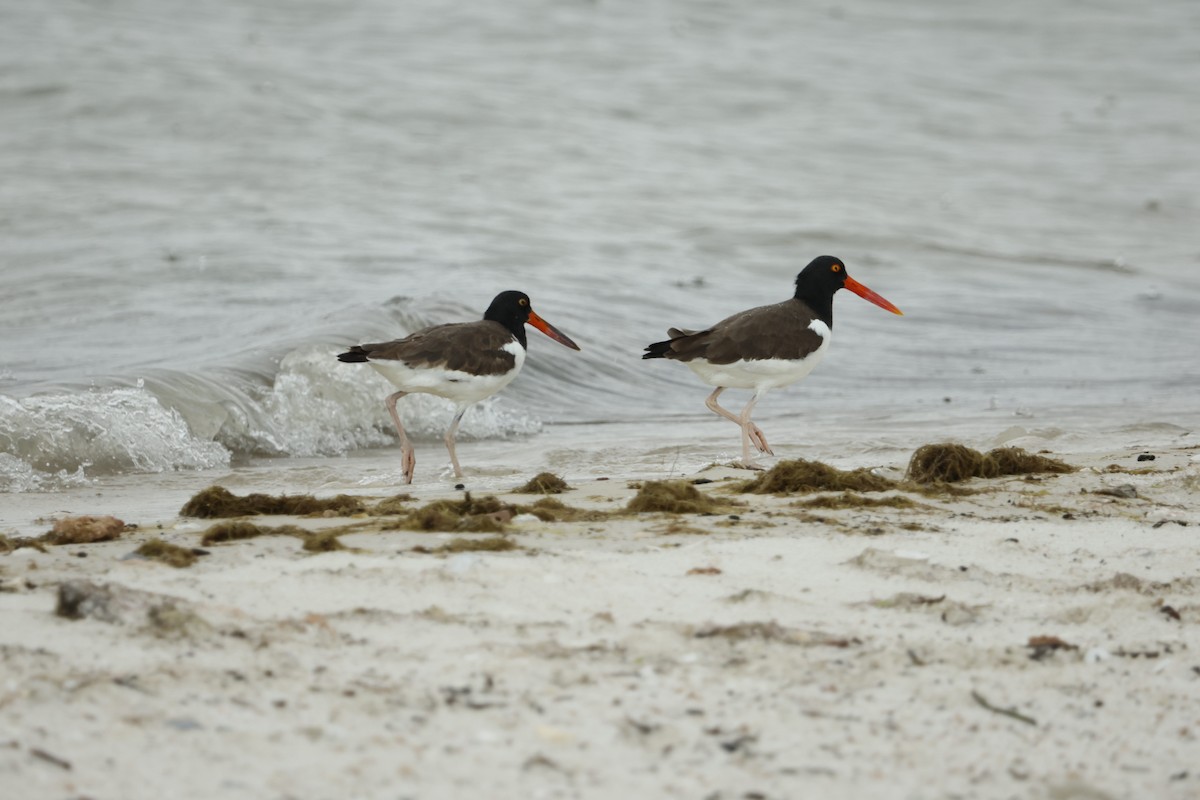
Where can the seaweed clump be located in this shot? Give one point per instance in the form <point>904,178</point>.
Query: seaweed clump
<point>167,553</point>
<point>485,515</point>
<point>217,501</point>
<point>675,497</point>
<point>788,477</point>
<point>8,545</point>
<point>544,483</point>
<point>851,500</point>
<point>234,531</point>
<point>950,463</point>
<point>396,504</point>
<point>551,509</point>
<point>323,542</point>
<point>84,530</point>
<point>462,544</point>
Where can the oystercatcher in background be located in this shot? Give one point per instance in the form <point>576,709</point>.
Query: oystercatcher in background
<point>766,347</point>
<point>463,362</point>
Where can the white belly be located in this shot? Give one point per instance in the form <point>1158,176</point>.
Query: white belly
<point>460,387</point>
<point>764,373</point>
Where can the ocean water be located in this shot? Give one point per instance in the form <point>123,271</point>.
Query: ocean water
<point>201,204</point>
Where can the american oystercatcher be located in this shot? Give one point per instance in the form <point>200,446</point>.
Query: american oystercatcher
<point>766,347</point>
<point>463,362</point>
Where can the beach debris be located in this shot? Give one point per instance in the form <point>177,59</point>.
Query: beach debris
<point>1146,457</point>
<point>50,758</point>
<point>770,632</point>
<point>323,542</point>
<point>172,620</point>
<point>1125,491</point>
<point>551,509</point>
<point>217,502</point>
<point>704,571</point>
<point>8,545</point>
<point>908,600</point>
<point>952,612</point>
<point>852,500</point>
<point>1170,612</point>
<point>950,463</point>
<point>544,483</point>
<point>484,515</point>
<point>84,530</point>
<point>790,477</point>
<point>169,554</point>
<point>464,544</point>
<point>676,497</point>
<point>1042,646</point>
<point>80,599</point>
<point>1008,712</point>
<point>390,506</point>
<point>677,527</point>
<point>233,531</point>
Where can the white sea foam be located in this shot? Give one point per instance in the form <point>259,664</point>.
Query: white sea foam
<point>58,440</point>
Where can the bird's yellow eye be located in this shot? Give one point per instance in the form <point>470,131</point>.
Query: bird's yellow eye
<point>836,268</point>
<point>523,301</point>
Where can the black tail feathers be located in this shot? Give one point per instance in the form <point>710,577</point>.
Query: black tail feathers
<point>355,355</point>
<point>657,350</point>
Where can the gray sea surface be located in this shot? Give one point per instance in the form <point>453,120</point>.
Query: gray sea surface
<point>202,203</point>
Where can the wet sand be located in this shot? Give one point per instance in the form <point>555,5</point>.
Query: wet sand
<point>1037,638</point>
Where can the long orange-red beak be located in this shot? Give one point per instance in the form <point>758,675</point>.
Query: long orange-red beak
<point>551,331</point>
<point>867,294</point>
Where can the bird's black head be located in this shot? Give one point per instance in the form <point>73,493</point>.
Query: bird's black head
<point>824,274</point>
<point>512,310</point>
<point>819,281</point>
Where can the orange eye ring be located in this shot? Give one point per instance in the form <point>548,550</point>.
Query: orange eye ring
<point>836,268</point>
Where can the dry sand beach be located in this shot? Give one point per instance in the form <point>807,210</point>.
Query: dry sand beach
<point>1033,636</point>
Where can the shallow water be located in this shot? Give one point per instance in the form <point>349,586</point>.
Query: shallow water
<point>202,205</point>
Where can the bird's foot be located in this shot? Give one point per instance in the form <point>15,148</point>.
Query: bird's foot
<point>408,463</point>
<point>759,440</point>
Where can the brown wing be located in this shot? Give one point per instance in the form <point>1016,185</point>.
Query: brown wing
<point>775,331</point>
<point>466,346</point>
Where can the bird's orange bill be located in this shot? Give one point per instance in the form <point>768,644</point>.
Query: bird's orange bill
<point>867,294</point>
<point>551,331</point>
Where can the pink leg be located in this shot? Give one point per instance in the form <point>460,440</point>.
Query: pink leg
<point>450,434</point>
<point>408,456</point>
<point>751,433</point>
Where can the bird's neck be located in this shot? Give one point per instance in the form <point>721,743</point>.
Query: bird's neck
<point>820,304</point>
<point>517,329</point>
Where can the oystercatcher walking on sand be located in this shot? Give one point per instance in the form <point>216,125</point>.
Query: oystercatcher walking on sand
<point>463,362</point>
<point>766,347</point>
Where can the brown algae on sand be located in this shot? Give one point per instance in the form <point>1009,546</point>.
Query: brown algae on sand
<point>234,531</point>
<point>166,553</point>
<point>485,515</point>
<point>790,477</point>
<point>950,463</point>
<point>851,500</point>
<point>314,541</point>
<point>323,542</point>
<point>551,509</point>
<point>544,483</point>
<point>217,501</point>
<point>676,497</point>
<point>463,544</point>
<point>84,530</point>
